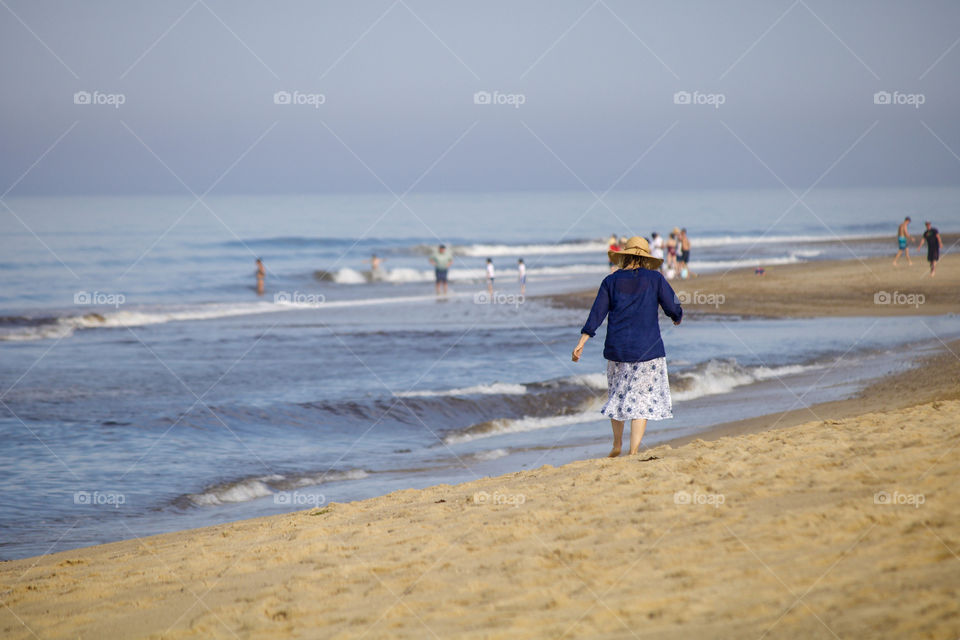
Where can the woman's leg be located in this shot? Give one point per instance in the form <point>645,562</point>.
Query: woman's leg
<point>617,437</point>
<point>637,427</point>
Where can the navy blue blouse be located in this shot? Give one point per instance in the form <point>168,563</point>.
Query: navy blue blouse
<point>631,297</point>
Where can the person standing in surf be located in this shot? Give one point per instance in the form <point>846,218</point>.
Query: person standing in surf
<point>637,385</point>
<point>261,275</point>
<point>441,261</point>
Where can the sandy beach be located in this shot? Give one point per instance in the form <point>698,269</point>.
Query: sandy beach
<point>864,287</point>
<point>835,527</point>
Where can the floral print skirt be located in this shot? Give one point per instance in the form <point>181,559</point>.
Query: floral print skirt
<point>638,390</point>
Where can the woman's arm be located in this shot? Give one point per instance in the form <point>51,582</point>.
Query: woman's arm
<point>578,350</point>
<point>669,302</point>
<point>598,312</point>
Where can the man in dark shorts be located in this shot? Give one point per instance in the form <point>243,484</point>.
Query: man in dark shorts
<point>685,254</point>
<point>441,260</point>
<point>932,237</point>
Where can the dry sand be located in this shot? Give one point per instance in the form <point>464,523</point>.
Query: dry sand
<point>826,288</point>
<point>832,528</point>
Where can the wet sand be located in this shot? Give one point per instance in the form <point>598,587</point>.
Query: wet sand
<point>843,525</point>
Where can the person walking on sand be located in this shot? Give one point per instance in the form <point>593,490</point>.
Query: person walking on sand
<point>441,261</point>
<point>672,250</point>
<point>522,275</point>
<point>261,275</point>
<point>903,235</point>
<point>685,255</point>
<point>656,246</point>
<point>934,243</point>
<point>638,388</point>
<point>490,276</point>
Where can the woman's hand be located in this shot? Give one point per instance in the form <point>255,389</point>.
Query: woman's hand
<point>676,323</point>
<point>578,350</point>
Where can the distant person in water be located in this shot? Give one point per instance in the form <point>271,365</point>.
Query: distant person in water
<point>637,384</point>
<point>441,260</point>
<point>261,275</point>
<point>490,276</point>
<point>522,276</point>
<point>375,263</point>
<point>613,245</point>
<point>934,243</point>
<point>903,236</point>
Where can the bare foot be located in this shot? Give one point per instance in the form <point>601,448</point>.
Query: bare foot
<point>634,452</point>
<point>614,452</point>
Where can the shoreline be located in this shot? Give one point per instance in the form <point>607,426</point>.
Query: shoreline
<point>540,551</point>
<point>932,379</point>
<point>845,288</point>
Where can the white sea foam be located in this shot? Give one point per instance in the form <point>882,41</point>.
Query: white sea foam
<point>244,491</point>
<point>709,378</point>
<point>66,325</point>
<point>407,275</point>
<point>600,247</point>
<point>101,319</point>
<point>493,454</point>
<point>520,250</point>
<point>723,376</point>
<point>520,425</point>
<point>495,388</point>
<point>723,241</point>
<point>253,488</point>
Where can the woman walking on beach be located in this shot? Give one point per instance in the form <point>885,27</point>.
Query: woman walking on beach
<point>637,384</point>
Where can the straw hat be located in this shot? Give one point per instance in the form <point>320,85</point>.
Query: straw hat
<point>636,246</point>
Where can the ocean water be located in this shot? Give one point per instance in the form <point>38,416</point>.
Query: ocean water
<point>145,387</point>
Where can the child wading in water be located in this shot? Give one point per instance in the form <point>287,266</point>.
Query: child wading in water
<point>637,384</point>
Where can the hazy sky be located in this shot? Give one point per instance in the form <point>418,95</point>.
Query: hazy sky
<point>397,80</point>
